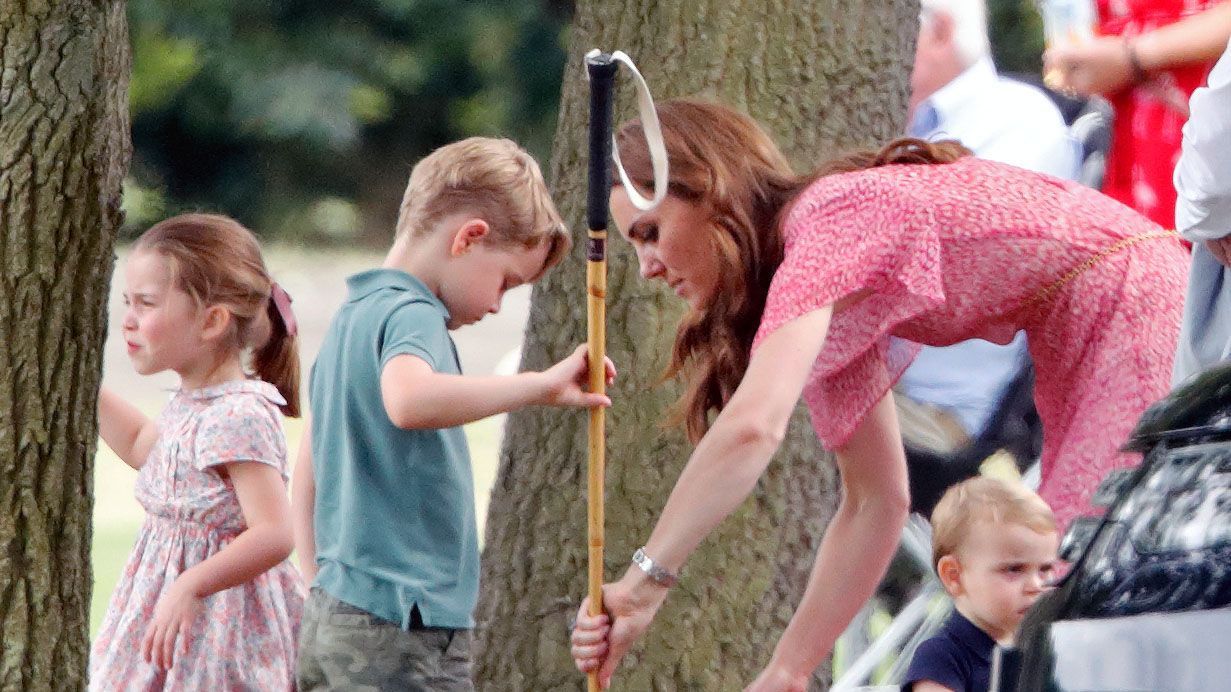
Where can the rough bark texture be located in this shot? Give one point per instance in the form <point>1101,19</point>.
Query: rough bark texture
<point>64,147</point>
<point>823,76</point>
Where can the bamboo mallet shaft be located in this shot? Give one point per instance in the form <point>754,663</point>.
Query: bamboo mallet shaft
<point>602,71</point>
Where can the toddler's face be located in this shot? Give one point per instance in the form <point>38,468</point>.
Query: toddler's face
<point>1004,568</point>
<point>159,318</point>
<point>476,282</point>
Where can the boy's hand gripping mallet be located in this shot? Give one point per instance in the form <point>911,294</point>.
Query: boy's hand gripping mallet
<point>601,69</point>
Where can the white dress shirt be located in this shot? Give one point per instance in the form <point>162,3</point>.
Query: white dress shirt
<point>1003,120</point>
<point>1203,212</point>
<point>1203,174</point>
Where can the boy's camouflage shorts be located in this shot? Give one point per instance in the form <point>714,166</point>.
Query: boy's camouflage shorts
<point>342,647</point>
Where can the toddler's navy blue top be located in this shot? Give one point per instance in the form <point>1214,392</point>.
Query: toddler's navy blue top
<point>959,657</point>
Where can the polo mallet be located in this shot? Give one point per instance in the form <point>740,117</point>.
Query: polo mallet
<point>601,69</point>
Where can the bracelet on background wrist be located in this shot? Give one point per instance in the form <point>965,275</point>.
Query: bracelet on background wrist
<point>1139,73</point>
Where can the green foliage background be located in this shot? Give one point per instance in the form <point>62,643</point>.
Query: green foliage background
<point>302,118</point>
<point>1017,37</point>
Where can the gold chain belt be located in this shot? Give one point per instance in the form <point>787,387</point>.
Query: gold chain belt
<point>1048,290</point>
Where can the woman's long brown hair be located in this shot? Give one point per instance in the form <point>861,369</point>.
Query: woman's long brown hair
<point>723,161</point>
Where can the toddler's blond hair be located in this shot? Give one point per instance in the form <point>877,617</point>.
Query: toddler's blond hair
<point>984,498</point>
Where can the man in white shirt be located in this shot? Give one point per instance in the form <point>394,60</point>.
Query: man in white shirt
<point>1203,216</point>
<point>956,93</point>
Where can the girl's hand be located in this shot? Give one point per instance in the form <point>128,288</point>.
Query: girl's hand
<point>173,618</point>
<point>1098,66</point>
<point>566,381</point>
<point>776,679</point>
<point>600,641</point>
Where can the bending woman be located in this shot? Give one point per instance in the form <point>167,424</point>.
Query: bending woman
<point>795,288</point>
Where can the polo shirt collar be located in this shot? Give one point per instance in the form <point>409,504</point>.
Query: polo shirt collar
<point>368,282</point>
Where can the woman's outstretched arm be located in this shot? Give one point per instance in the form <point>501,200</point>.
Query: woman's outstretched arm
<point>854,553</point>
<point>720,474</point>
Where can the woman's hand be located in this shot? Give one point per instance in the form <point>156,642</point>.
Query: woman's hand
<point>1099,66</point>
<point>590,638</point>
<point>173,617</point>
<point>566,382</point>
<point>777,679</point>
<point>600,641</point>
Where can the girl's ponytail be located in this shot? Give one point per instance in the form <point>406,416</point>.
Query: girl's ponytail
<point>277,360</point>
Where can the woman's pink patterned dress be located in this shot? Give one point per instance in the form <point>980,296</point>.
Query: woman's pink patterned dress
<point>981,249</point>
<point>245,638</point>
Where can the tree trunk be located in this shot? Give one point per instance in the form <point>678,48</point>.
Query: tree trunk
<point>823,76</point>
<point>64,148</point>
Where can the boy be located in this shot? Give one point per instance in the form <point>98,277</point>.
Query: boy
<point>387,537</point>
<point>994,547</point>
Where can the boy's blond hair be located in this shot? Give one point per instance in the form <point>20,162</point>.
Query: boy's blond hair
<point>983,498</point>
<point>494,179</point>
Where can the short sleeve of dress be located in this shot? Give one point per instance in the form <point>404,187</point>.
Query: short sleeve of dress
<point>856,234</point>
<point>240,428</point>
<point>416,328</point>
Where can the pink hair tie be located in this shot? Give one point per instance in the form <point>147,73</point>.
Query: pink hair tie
<point>282,301</point>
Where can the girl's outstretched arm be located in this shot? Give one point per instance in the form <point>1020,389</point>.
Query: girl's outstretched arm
<point>266,542</point>
<point>303,500</point>
<point>125,429</point>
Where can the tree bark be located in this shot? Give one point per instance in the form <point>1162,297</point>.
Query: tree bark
<point>822,76</point>
<point>64,149</point>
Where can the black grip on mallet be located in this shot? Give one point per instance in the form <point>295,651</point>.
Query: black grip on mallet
<point>602,71</point>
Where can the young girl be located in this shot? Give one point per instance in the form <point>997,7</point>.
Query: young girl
<point>208,599</point>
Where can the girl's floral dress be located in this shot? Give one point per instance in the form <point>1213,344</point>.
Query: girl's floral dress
<point>245,637</point>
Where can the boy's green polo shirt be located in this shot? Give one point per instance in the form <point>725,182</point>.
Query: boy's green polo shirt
<point>394,513</point>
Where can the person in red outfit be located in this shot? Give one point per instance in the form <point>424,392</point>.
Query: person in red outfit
<point>796,286</point>
<point>1147,58</point>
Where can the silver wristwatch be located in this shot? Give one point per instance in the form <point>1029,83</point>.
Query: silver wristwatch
<point>656,572</point>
